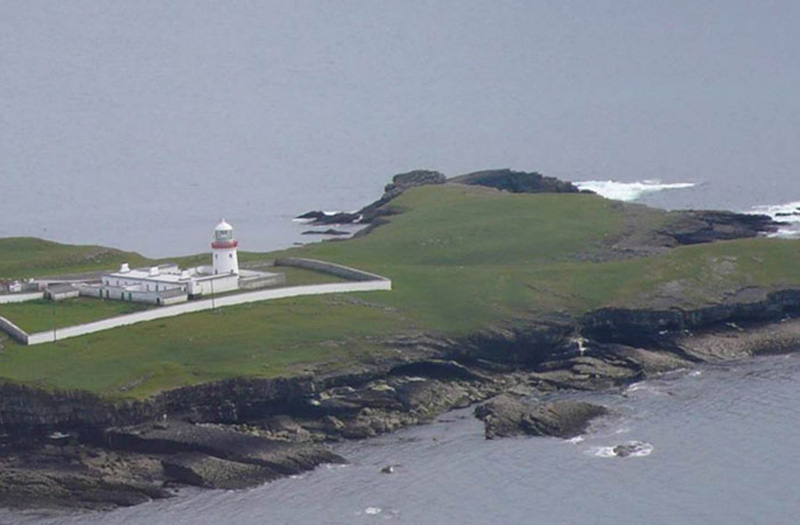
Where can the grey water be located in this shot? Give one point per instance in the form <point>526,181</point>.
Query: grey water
<point>721,448</point>
<point>137,125</point>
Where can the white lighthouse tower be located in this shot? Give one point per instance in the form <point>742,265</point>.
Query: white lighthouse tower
<point>226,260</point>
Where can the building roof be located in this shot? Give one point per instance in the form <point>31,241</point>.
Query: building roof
<point>61,288</point>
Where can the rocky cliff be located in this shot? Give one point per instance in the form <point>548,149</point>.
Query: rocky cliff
<point>68,447</point>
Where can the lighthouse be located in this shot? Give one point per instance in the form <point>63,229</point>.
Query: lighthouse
<point>226,260</point>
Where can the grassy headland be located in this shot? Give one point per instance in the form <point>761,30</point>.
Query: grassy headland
<point>461,258</point>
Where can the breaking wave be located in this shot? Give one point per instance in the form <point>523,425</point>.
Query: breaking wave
<point>788,213</point>
<point>629,191</point>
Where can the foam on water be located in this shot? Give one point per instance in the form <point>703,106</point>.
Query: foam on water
<point>602,452</point>
<point>635,387</point>
<point>629,191</point>
<point>788,213</point>
<point>639,449</point>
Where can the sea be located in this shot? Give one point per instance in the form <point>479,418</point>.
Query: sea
<point>716,444</point>
<point>138,125</point>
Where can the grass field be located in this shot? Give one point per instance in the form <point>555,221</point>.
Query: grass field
<point>23,257</point>
<point>460,258</point>
<point>41,315</point>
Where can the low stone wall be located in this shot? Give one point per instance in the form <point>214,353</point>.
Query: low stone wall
<point>265,280</point>
<point>338,270</point>
<point>14,331</point>
<point>20,297</point>
<point>208,304</point>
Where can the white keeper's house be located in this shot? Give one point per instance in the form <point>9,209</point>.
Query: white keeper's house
<point>168,284</point>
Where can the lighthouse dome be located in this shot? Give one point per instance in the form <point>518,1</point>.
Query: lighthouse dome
<point>223,226</point>
<point>223,233</point>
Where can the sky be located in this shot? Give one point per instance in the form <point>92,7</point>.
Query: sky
<point>118,117</point>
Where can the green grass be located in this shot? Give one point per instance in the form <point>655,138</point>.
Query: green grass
<point>460,258</point>
<point>200,347</point>
<point>41,315</point>
<point>23,257</point>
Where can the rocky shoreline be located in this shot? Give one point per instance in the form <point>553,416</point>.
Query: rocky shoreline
<point>71,449</point>
<point>75,449</point>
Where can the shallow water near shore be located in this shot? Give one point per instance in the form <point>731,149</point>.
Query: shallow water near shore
<point>718,445</point>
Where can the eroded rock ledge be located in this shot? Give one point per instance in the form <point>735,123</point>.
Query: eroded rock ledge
<point>505,416</point>
<point>73,448</point>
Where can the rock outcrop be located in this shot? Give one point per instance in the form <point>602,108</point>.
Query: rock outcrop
<point>26,487</point>
<point>368,214</point>
<point>517,182</point>
<point>697,227</point>
<point>505,416</point>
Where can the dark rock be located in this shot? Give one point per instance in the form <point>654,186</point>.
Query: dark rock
<point>523,344</point>
<point>502,416</point>
<point>505,416</point>
<point>329,231</point>
<point>631,448</point>
<point>701,226</point>
<point>342,407</point>
<point>427,398</point>
<point>411,179</point>
<point>333,423</point>
<point>517,182</point>
<point>316,214</point>
<point>358,430</point>
<point>564,419</point>
<point>650,362</point>
<point>372,212</point>
<point>321,218</point>
<point>645,327</point>
<point>280,456</point>
<point>400,183</point>
<point>202,470</point>
<point>22,488</point>
<point>440,369</point>
<point>730,341</point>
<point>588,372</point>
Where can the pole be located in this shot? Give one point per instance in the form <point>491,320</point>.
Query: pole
<point>54,318</point>
<point>213,307</point>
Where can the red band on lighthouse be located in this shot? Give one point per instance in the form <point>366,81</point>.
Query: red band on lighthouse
<point>224,244</point>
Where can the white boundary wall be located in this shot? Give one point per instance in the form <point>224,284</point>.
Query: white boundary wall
<point>13,330</point>
<point>338,270</point>
<point>20,297</point>
<point>207,304</point>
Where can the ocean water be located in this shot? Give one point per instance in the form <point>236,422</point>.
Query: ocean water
<point>138,125</point>
<point>718,446</point>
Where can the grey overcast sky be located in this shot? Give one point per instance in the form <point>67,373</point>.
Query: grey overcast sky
<point>100,99</point>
